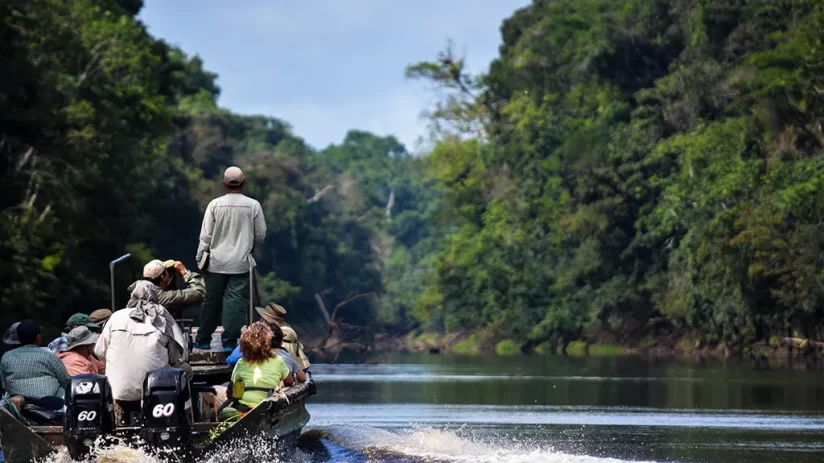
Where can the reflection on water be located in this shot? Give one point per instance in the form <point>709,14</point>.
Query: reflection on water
<point>431,409</point>
<point>625,381</point>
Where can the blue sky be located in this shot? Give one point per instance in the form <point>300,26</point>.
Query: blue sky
<point>328,66</point>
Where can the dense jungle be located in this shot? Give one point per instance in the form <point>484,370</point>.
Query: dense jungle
<point>631,172</point>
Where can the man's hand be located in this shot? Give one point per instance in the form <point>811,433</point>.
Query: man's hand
<point>181,269</point>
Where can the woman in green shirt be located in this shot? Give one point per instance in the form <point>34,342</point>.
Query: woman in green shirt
<point>259,367</point>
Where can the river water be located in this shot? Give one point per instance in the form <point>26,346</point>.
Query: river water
<point>439,409</point>
<point>554,409</point>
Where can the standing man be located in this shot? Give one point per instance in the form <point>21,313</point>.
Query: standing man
<point>233,227</point>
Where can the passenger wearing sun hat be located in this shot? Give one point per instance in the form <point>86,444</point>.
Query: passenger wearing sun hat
<point>79,358</point>
<point>233,228</point>
<point>61,344</point>
<point>100,316</point>
<point>161,273</point>
<point>275,314</point>
<point>10,336</point>
<point>10,339</point>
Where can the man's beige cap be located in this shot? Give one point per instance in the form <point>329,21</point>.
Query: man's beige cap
<point>156,268</point>
<point>233,176</point>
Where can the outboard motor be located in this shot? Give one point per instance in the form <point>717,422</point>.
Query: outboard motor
<point>89,413</point>
<point>167,409</point>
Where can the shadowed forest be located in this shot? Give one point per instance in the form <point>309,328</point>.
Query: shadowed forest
<point>636,172</point>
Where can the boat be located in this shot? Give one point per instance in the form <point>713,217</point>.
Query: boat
<point>176,421</point>
<point>173,424</point>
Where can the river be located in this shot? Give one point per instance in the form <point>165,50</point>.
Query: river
<point>439,409</point>
<point>555,409</point>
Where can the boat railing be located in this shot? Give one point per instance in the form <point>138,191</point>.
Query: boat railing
<point>113,265</point>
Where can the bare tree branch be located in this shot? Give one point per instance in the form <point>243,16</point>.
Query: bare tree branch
<point>390,204</point>
<point>44,213</point>
<point>322,308</point>
<point>319,194</point>
<point>24,160</point>
<point>351,299</point>
<point>364,349</point>
<point>344,331</point>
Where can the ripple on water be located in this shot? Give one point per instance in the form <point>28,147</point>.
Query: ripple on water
<point>393,415</point>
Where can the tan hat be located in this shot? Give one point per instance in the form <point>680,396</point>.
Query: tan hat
<point>99,316</point>
<point>233,176</point>
<point>272,313</point>
<point>156,268</point>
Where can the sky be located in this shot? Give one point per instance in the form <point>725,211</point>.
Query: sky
<point>329,66</point>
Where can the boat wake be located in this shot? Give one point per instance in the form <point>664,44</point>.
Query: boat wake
<point>362,444</point>
<point>241,450</point>
<point>432,445</point>
<point>115,454</point>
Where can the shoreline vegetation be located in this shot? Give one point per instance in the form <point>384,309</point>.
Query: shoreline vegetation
<point>775,350</point>
<point>646,174</point>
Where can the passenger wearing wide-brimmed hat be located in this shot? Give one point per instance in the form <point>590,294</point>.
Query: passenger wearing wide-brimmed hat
<point>10,339</point>
<point>275,314</point>
<point>61,344</point>
<point>79,358</point>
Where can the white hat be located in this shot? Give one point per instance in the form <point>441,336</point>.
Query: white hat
<point>156,268</point>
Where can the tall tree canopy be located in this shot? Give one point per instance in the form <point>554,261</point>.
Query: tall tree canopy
<point>624,169</point>
<point>643,165</point>
<point>112,142</point>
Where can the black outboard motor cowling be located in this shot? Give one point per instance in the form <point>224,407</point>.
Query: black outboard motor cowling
<point>89,413</point>
<point>167,409</point>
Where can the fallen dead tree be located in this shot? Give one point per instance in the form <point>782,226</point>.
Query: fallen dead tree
<point>341,336</point>
<point>800,343</point>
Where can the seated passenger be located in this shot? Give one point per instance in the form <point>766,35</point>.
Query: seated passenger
<point>32,372</point>
<point>79,358</point>
<point>60,344</point>
<point>259,368</point>
<point>10,341</point>
<point>277,345</point>
<point>136,340</point>
<point>100,316</point>
<point>162,274</point>
<point>275,315</point>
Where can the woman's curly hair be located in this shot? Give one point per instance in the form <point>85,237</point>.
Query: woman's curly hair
<point>256,343</point>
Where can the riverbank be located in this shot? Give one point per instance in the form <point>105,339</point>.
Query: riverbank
<point>774,349</point>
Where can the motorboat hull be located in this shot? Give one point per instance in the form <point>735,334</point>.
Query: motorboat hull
<point>275,424</point>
